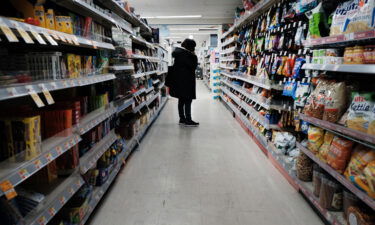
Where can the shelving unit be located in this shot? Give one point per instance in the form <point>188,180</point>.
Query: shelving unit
<point>96,116</point>
<point>345,68</point>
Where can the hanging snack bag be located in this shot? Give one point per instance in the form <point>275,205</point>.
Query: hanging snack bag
<point>359,116</point>
<point>289,88</point>
<point>335,102</point>
<point>304,127</point>
<point>371,126</point>
<point>316,138</point>
<point>361,157</point>
<point>315,102</point>
<point>301,94</point>
<point>360,16</point>
<point>324,149</point>
<point>339,153</point>
<point>297,69</point>
<point>369,173</point>
<point>318,26</point>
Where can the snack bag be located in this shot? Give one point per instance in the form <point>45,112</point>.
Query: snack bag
<point>361,157</point>
<point>339,153</point>
<point>335,102</point>
<point>315,137</point>
<point>324,149</point>
<point>318,26</point>
<point>359,116</point>
<point>289,88</point>
<point>315,102</point>
<point>371,126</point>
<point>369,173</point>
<point>301,94</point>
<point>360,16</point>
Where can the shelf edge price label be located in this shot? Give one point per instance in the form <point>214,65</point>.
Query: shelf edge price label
<point>47,95</point>
<point>62,200</point>
<point>71,191</point>
<point>50,39</point>
<point>7,31</point>
<point>37,36</point>
<point>12,91</point>
<point>38,164</point>
<point>26,37</point>
<point>37,100</point>
<point>8,189</point>
<point>59,150</point>
<point>49,157</point>
<point>23,173</point>
<point>52,211</point>
<point>42,220</point>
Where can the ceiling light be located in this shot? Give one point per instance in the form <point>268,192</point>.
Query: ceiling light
<point>191,36</point>
<point>172,17</point>
<point>172,37</point>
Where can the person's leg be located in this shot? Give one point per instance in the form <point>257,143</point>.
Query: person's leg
<point>189,122</point>
<point>181,110</point>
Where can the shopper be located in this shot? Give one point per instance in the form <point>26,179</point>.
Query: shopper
<point>183,84</point>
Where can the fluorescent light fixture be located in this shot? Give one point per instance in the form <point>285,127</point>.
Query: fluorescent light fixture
<point>172,17</point>
<point>172,37</point>
<point>191,36</point>
<point>192,33</point>
<point>194,29</point>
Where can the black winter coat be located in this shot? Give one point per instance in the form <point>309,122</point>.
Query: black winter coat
<point>183,84</point>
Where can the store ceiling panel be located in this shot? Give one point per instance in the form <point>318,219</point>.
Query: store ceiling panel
<point>201,11</point>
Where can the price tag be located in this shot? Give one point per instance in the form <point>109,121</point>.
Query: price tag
<point>47,95</point>
<point>295,24</point>
<point>54,35</point>
<point>7,31</point>
<point>69,39</point>
<point>37,100</point>
<point>26,37</point>
<point>42,220</point>
<point>50,39</point>
<point>305,51</point>
<point>38,164</point>
<point>71,191</point>
<point>94,44</point>
<point>12,91</point>
<point>23,173</point>
<point>8,189</point>
<point>66,145</point>
<point>62,200</point>
<point>37,36</point>
<point>300,51</point>
<point>59,150</point>
<point>75,40</point>
<point>54,85</point>
<point>49,157</point>
<point>52,211</point>
<point>304,25</point>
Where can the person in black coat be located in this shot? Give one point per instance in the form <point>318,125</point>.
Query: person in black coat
<point>183,85</point>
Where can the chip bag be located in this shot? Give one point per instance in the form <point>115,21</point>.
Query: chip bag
<point>359,116</point>
<point>324,149</point>
<point>361,157</point>
<point>339,153</point>
<point>315,137</point>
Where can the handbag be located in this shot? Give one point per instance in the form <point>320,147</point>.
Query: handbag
<point>170,79</point>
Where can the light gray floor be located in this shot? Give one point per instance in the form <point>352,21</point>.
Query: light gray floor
<point>211,175</point>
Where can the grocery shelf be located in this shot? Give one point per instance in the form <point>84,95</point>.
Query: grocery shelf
<point>15,173</point>
<point>51,205</point>
<point>161,85</point>
<point>131,144</point>
<point>345,68</point>
<point>141,41</point>
<point>88,160</point>
<point>135,56</point>
<point>287,169</point>
<point>115,7</point>
<point>155,81</point>
<point>229,59</point>
<point>227,67</point>
<point>139,75</point>
<point>148,90</point>
<point>258,100</point>
<point>139,92</point>
<point>257,10</point>
<point>340,40</point>
<point>229,51</point>
<point>253,80</point>
<point>21,90</point>
<point>121,67</point>
<point>360,194</point>
<point>83,8</point>
<point>68,39</point>
<point>229,41</point>
<point>94,118</point>
<point>357,136</point>
<point>125,104</point>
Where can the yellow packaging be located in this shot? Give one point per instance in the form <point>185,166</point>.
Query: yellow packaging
<point>64,24</point>
<point>71,65</point>
<point>50,19</point>
<point>39,15</point>
<point>78,65</point>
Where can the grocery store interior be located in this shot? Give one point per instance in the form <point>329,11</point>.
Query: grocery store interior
<point>173,112</point>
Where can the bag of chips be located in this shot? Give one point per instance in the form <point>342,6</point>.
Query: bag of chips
<point>301,94</point>
<point>359,116</point>
<point>335,102</point>
<point>324,149</point>
<point>369,173</point>
<point>371,126</point>
<point>361,157</point>
<point>315,137</point>
<point>315,102</point>
<point>339,153</point>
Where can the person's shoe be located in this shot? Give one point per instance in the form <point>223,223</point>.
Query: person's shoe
<point>191,123</point>
<point>182,122</point>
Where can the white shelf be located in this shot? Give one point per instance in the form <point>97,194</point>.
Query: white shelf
<point>343,39</point>
<point>134,56</point>
<point>21,90</point>
<point>266,84</point>
<point>229,41</point>
<point>125,104</point>
<point>139,75</point>
<point>227,67</point>
<point>141,41</point>
<point>148,90</point>
<point>345,68</point>
<point>88,160</point>
<point>229,51</point>
<point>95,117</point>
<point>121,67</point>
<point>51,148</point>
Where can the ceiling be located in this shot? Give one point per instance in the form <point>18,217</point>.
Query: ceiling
<point>213,12</point>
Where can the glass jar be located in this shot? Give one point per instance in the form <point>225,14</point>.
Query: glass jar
<point>348,55</point>
<point>358,55</point>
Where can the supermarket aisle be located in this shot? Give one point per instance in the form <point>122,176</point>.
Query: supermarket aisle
<point>211,175</point>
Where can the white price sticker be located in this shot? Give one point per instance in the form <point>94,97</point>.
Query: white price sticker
<point>47,95</point>
<point>37,37</point>
<point>50,39</point>
<point>26,37</point>
<point>38,101</point>
<point>7,31</point>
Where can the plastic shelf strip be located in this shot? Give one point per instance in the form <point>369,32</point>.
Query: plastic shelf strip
<point>94,118</point>
<point>345,68</point>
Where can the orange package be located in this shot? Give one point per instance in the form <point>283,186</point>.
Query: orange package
<point>339,154</point>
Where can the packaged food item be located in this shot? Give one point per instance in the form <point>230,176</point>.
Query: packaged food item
<point>304,127</point>
<point>304,167</point>
<point>289,88</point>
<point>39,15</point>
<point>369,54</point>
<point>305,5</point>
<point>359,116</point>
<point>360,216</point>
<point>350,200</point>
<point>317,180</point>
<point>298,72</point>
<point>331,195</point>
<point>369,173</point>
<point>301,94</point>
<point>324,149</point>
<point>315,137</point>
<point>339,153</point>
<point>360,16</point>
<point>315,102</point>
<point>50,19</point>
<point>360,158</point>
<point>371,126</point>
<point>335,102</point>
<point>318,26</point>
